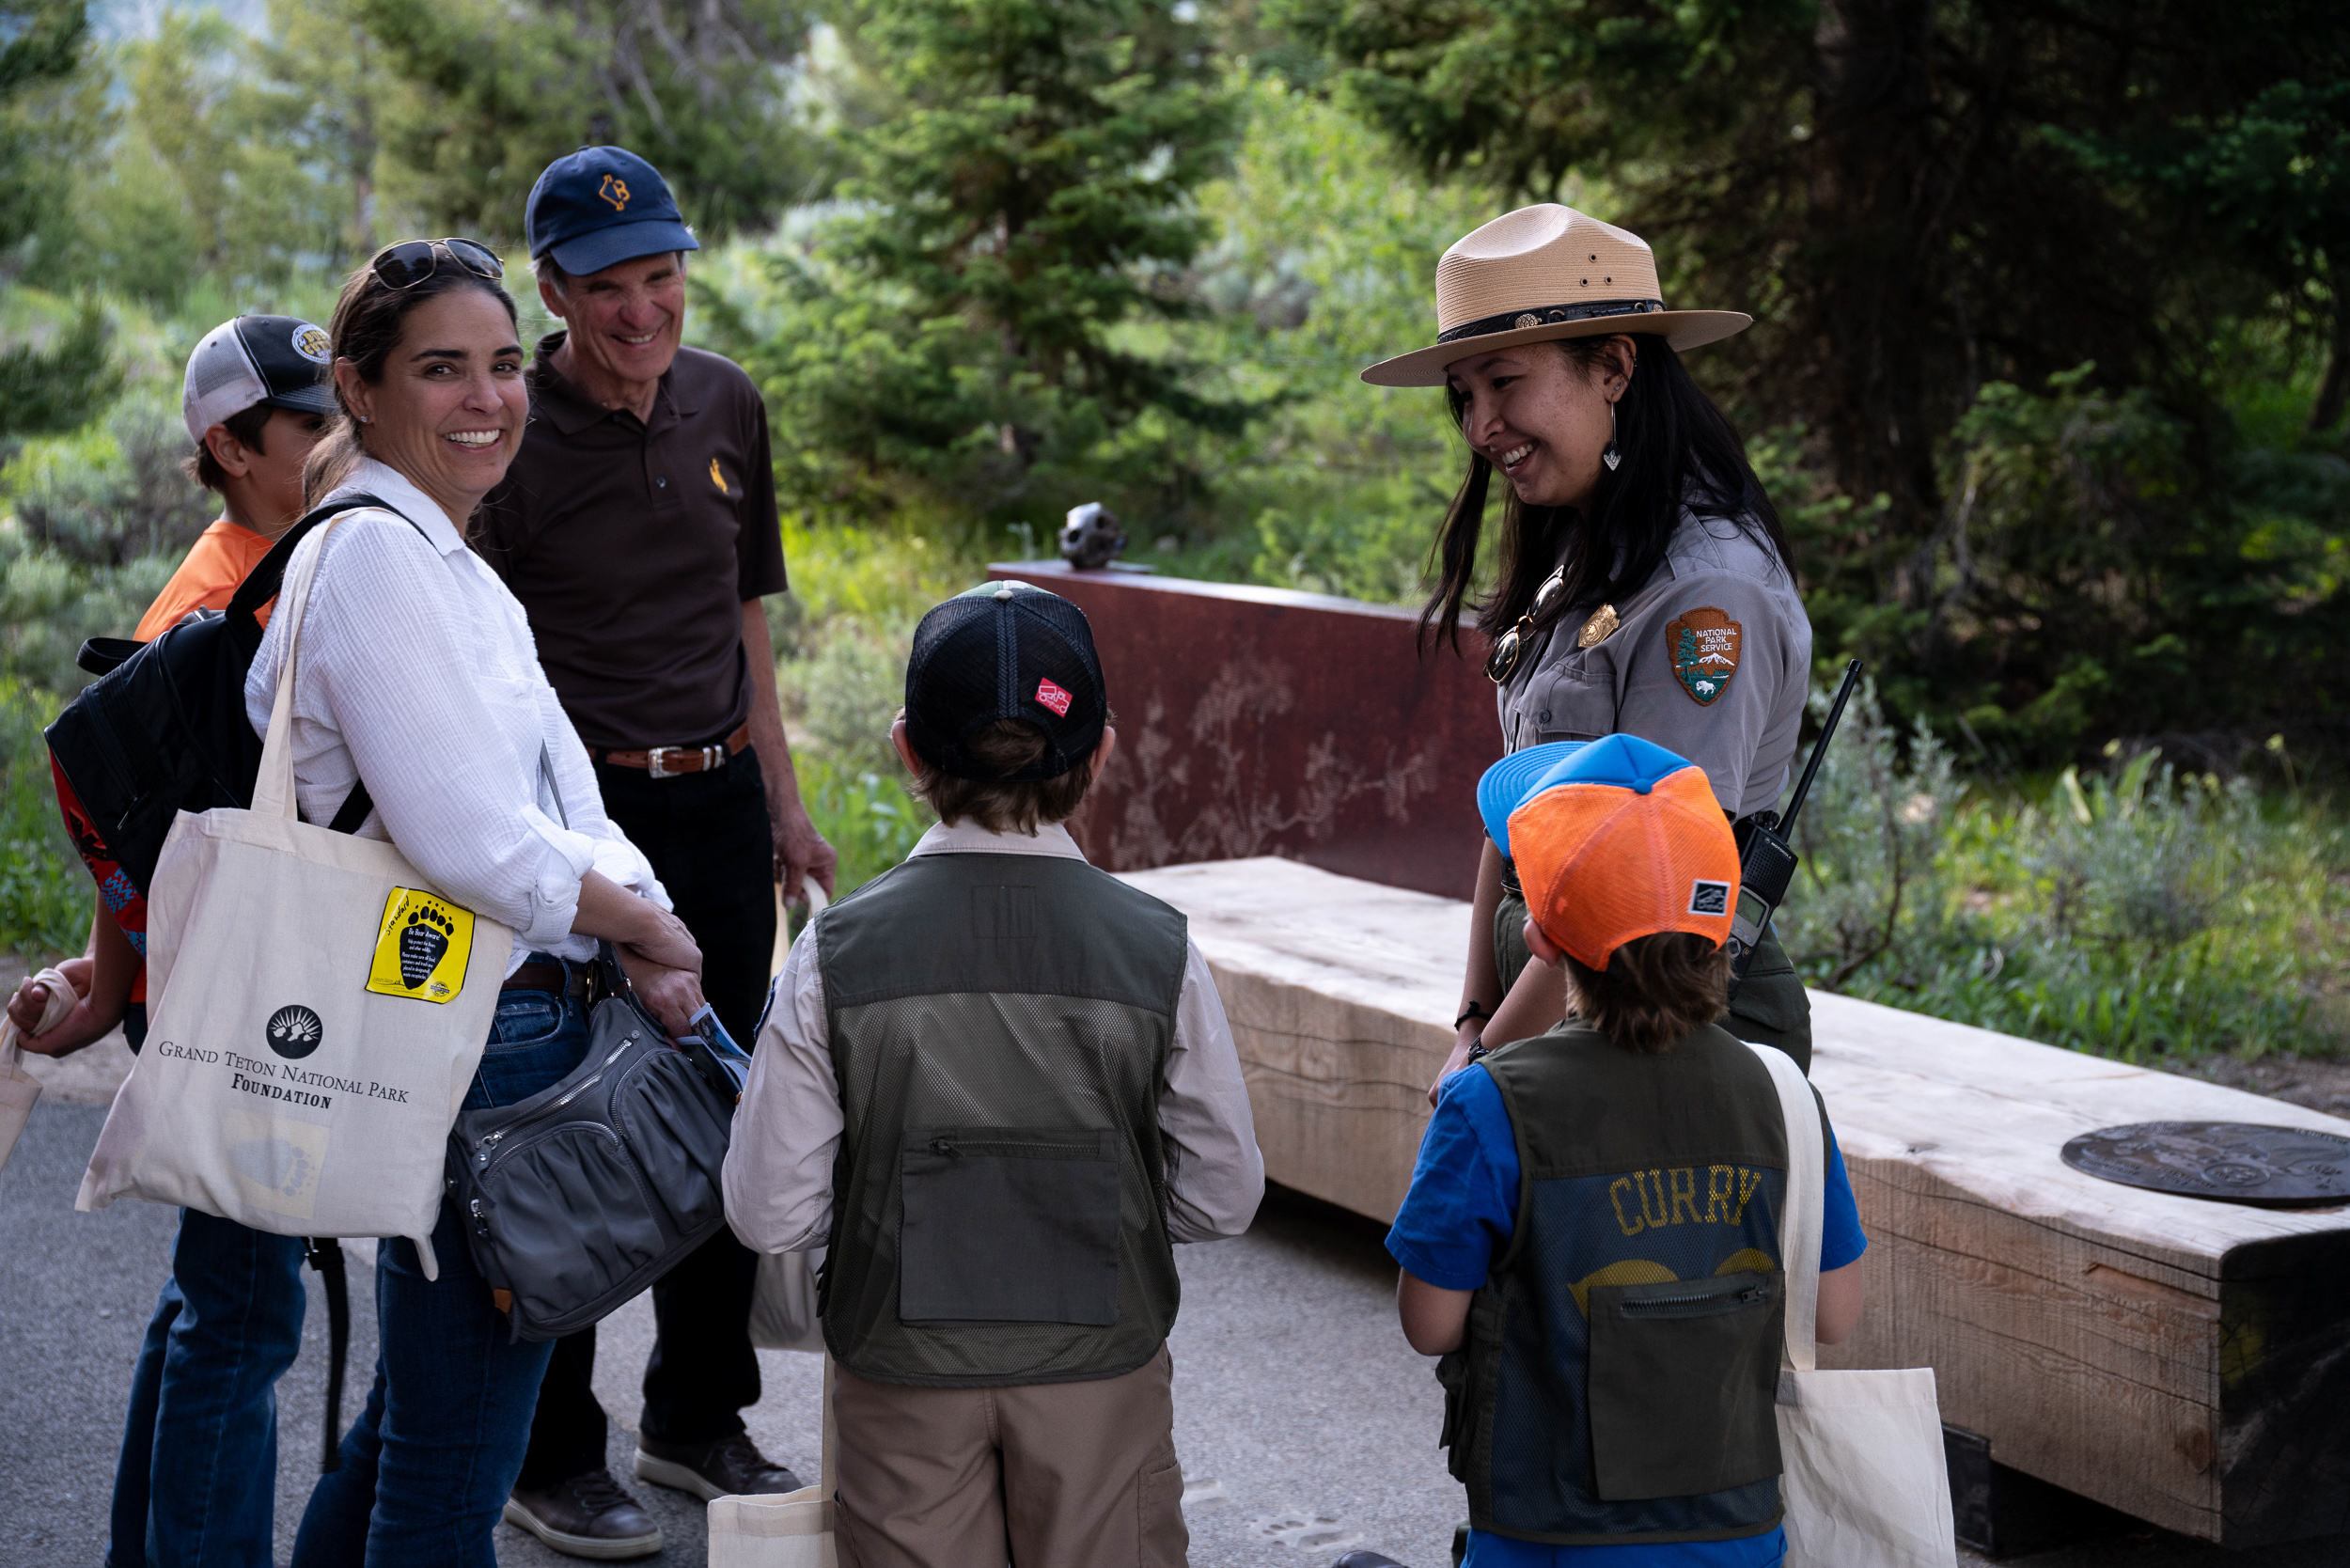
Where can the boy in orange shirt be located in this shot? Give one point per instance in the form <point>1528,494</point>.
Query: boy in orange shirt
<point>256,401</point>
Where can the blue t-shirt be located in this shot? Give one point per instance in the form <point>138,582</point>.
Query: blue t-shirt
<point>1460,1214</point>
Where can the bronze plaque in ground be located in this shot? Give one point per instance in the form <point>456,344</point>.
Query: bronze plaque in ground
<point>2240,1162</point>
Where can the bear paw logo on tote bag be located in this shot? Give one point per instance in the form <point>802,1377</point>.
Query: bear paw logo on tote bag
<point>421,947</point>
<point>316,1014</point>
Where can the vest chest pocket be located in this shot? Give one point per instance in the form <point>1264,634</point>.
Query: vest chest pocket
<point>1683,1377</point>
<point>1009,1224</point>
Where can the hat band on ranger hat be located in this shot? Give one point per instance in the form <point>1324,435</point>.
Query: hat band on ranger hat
<point>1548,315</point>
<point>1542,273</point>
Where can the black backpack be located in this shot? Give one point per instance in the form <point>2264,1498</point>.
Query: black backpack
<point>163,729</point>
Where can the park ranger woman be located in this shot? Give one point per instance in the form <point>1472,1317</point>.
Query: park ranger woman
<point>1644,582</point>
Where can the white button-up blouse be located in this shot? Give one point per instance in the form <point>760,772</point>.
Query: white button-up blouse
<point>419,674</point>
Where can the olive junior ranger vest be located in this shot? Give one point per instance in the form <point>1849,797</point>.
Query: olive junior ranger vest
<point>1618,1381</point>
<point>1000,1026</point>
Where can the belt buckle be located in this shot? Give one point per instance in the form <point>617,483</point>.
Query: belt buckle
<point>711,757</point>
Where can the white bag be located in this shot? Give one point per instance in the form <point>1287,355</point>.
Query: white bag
<point>793,1530</point>
<point>316,1015</point>
<point>1866,1484</point>
<point>18,1088</point>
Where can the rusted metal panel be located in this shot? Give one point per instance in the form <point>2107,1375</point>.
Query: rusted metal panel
<point>1257,721</point>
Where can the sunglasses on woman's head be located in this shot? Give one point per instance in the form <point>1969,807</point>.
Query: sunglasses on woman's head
<point>411,262</point>
<point>1511,645</point>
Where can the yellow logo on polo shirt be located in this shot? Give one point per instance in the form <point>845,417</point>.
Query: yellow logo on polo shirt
<point>717,478</point>
<point>422,947</point>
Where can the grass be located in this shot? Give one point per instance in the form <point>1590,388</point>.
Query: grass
<point>45,895</point>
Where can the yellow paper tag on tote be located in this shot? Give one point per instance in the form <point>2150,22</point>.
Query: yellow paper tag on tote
<point>422,947</point>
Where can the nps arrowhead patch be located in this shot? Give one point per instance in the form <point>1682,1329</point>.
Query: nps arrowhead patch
<point>1704,644</point>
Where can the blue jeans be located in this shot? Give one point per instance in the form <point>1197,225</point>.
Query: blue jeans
<point>197,1477</point>
<point>427,1469</point>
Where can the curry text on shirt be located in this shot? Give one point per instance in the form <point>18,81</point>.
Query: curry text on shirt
<point>1662,1198</point>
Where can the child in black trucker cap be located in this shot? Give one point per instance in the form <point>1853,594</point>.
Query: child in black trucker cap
<point>996,1084</point>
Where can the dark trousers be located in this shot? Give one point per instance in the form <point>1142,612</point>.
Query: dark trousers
<point>709,839</point>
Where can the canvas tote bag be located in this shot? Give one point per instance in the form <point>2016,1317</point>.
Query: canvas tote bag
<point>18,1088</point>
<point>1866,1484</point>
<point>793,1530</point>
<point>316,1011</point>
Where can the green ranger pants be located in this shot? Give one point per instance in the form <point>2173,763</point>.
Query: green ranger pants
<point>1770,1008</point>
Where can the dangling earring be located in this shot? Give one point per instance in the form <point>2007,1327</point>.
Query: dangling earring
<point>1611,457</point>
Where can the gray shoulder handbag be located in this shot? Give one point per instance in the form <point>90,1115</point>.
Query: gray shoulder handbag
<point>576,1199</point>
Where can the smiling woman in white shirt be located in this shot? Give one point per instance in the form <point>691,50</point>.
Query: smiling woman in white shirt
<point>417,676</point>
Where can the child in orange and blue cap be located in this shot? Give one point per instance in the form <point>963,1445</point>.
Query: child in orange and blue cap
<point>1591,1236</point>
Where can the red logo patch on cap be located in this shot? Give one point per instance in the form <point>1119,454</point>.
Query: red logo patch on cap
<point>1053,696</point>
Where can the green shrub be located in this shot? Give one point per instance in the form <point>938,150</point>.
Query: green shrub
<point>45,895</point>
<point>2138,913</point>
<point>867,817</point>
<point>115,493</point>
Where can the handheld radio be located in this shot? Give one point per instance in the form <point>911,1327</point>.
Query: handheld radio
<point>1766,861</point>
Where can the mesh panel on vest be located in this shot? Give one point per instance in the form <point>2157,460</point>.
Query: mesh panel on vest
<point>987,1068</point>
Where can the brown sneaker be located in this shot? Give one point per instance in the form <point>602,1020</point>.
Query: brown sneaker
<point>730,1467</point>
<point>588,1515</point>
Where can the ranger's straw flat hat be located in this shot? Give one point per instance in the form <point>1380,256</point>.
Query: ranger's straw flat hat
<point>1542,273</point>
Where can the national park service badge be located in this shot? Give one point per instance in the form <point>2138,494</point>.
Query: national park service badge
<point>422,947</point>
<point>1704,646</point>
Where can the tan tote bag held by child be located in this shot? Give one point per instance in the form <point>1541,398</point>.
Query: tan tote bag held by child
<point>317,1013</point>
<point>1866,1484</point>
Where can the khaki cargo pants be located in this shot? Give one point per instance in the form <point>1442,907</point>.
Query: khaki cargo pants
<point>1050,1475</point>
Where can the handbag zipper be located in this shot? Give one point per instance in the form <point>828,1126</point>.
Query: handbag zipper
<point>485,1146</point>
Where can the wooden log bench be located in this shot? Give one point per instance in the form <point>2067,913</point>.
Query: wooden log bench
<point>2184,1362</point>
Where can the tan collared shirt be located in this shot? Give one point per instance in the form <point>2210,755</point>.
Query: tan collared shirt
<point>778,1170</point>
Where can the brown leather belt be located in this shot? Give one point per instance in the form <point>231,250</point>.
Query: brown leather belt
<point>549,976</point>
<point>668,762</point>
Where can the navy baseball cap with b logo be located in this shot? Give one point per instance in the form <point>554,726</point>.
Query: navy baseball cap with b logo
<point>1005,651</point>
<point>600,206</point>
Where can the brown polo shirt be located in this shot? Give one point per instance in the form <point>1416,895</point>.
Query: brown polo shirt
<point>634,546</point>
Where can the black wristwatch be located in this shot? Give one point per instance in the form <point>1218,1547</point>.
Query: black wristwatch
<point>1478,1048</point>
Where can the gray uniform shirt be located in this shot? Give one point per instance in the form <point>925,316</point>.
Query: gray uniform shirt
<point>1710,658</point>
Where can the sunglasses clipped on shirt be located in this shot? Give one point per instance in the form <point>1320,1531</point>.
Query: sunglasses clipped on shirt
<point>1511,645</point>
<point>411,262</point>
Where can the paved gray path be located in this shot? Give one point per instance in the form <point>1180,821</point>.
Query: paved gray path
<point>1305,1424</point>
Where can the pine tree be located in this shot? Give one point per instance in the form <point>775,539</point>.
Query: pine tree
<point>1018,211</point>
<point>503,87</point>
<point>59,386</point>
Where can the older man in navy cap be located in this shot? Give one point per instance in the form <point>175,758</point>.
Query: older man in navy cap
<point>638,529</point>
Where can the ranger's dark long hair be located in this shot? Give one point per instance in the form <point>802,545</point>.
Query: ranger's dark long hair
<point>1678,451</point>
